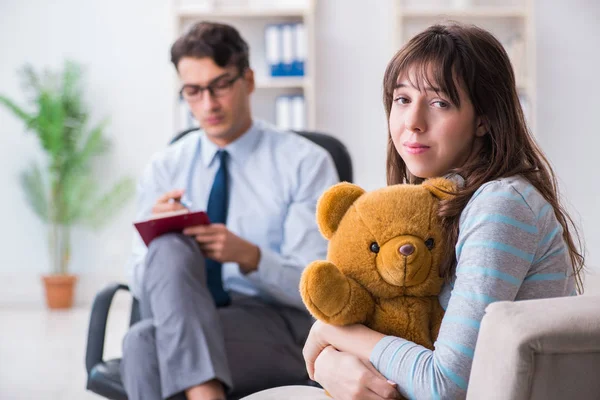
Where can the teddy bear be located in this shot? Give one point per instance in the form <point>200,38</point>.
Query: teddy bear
<point>383,258</point>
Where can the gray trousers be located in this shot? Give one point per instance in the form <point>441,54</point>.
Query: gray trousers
<point>185,341</point>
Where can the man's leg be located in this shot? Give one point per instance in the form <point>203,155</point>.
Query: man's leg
<point>188,336</point>
<point>139,365</point>
<point>264,344</point>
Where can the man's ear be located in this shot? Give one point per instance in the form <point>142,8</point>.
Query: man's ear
<point>333,204</point>
<point>249,78</point>
<point>440,188</point>
<point>483,126</point>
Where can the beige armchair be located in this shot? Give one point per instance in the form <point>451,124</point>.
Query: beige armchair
<point>538,349</point>
<point>535,349</point>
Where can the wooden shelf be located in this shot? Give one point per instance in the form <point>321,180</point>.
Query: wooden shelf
<point>475,12</point>
<point>191,12</point>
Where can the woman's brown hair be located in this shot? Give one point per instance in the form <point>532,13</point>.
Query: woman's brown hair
<point>443,56</point>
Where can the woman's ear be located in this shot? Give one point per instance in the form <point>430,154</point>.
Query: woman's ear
<point>483,127</point>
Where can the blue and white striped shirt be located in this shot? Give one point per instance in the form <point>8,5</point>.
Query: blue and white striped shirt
<point>510,247</point>
<point>275,181</point>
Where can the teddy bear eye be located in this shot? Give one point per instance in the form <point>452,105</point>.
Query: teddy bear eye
<point>374,247</point>
<point>429,243</point>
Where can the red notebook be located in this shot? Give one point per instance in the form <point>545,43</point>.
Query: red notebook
<point>169,222</point>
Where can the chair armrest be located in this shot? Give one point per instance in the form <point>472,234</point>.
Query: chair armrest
<point>97,327</point>
<point>518,341</point>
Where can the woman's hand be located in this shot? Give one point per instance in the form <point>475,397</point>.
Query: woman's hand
<point>315,343</point>
<point>346,377</point>
<point>354,339</point>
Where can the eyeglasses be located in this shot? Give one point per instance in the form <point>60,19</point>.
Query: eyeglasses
<point>219,88</point>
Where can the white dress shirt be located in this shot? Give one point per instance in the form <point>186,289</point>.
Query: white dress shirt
<point>275,181</point>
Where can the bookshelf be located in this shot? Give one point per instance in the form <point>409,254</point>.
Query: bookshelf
<point>251,18</point>
<point>511,21</point>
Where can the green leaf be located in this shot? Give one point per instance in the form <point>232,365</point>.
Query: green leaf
<point>50,125</point>
<point>30,80</point>
<point>35,191</point>
<point>18,111</point>
<point>95,143</point>
<point>115,198</point>
<point>80,190</point>
<point>71,92</point>
<point>66,192</point>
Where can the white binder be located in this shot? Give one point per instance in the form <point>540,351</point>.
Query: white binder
<point>300,50</point>
<point>283,112</point>
<point>273,49</point>
<point>298,113</point>
<point>287,53</point>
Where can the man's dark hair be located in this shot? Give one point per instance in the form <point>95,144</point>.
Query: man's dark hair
<point>222,43</point>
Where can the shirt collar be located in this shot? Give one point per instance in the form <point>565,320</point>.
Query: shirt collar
<point>238,150</point>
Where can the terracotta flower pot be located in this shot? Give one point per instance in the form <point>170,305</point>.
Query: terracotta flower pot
<point>60,290</point>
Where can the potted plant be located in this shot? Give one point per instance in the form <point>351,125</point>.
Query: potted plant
<point>63,191</point>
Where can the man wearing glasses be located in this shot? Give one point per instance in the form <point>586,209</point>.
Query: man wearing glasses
<point>221,302</point>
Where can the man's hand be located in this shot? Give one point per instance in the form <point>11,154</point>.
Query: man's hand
<point>168,202</point>
<point>346,377</point>
<point>220,244</point>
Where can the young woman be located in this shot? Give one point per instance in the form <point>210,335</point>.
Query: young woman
<point>453,110</point>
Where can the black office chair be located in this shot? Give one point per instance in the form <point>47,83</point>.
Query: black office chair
<point>103,376</point>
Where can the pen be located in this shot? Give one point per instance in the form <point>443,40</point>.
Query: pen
<point>186,203</point>
<point>183,202</point>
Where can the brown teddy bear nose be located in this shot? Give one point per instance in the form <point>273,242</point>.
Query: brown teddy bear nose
<point>407,249</point>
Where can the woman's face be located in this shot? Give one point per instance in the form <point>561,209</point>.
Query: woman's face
<point>431,134</point>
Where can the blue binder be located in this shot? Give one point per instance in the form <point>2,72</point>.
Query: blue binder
<point>273,50</point>
<point>300,50</point>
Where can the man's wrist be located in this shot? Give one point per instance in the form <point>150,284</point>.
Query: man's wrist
<point>249,259</point>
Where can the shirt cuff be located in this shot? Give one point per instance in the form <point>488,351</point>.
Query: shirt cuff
<point>272,279</point>
<point>384,351</point>
<point>269,260</point>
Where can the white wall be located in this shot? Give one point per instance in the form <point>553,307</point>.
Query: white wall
<point>353,48</point>
<point>125,45</point>
<point>568,88</point>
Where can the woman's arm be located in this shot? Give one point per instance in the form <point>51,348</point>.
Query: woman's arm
<point>357,340</point>
<point>496,249</point>
<point>345,376</point>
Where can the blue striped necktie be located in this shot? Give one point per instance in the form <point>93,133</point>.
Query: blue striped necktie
<point>217,212</point>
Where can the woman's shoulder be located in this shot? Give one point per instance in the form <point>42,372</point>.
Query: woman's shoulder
<point>514,194</point>
<point>512,184</point>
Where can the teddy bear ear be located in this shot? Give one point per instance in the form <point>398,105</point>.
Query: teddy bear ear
<point>333,204</point>
<point>440,188</point>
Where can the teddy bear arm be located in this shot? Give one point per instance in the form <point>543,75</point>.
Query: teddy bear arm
<point>332,297</point>
<point>358,309</point>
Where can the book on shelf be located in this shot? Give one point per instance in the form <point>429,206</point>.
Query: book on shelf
<point>285,49</point>
<point>290,113</point>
